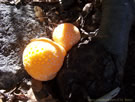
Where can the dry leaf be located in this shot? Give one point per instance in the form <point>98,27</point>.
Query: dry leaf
<point>39,13</point>
<point>1,100</point>
<point>30,94</point>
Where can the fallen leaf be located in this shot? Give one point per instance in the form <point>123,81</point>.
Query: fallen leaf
<point>1,100</point>
<point>30,94</point>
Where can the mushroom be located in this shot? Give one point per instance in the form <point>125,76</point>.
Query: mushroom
<point>43,58</point>
<point>67,35</point>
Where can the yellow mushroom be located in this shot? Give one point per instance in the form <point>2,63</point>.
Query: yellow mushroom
<point>43,58</point>
<point>67,35</point>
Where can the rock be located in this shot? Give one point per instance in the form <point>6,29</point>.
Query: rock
<point>17,27</point>
<point>88,72</point>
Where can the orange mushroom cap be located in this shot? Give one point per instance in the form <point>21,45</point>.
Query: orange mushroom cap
<point>43,58</point>
<point>67,35</point>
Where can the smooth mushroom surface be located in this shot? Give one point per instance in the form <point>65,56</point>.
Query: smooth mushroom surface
<point>67,35</point>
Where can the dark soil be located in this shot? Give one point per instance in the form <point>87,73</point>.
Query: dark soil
<point>84,73</point>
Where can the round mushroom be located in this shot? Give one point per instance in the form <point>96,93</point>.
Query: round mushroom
<point>43,58</point>
<point>67,35</point>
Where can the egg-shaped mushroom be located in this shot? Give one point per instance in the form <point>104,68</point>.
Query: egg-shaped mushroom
<point>43,58</point>
<point>67,35</point>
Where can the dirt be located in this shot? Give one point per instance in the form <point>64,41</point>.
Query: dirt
<point>81,74</point>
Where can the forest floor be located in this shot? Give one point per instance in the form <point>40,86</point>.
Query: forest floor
<point>51,14</point>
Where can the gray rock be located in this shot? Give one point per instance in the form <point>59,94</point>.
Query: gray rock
<point>17,27</point>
